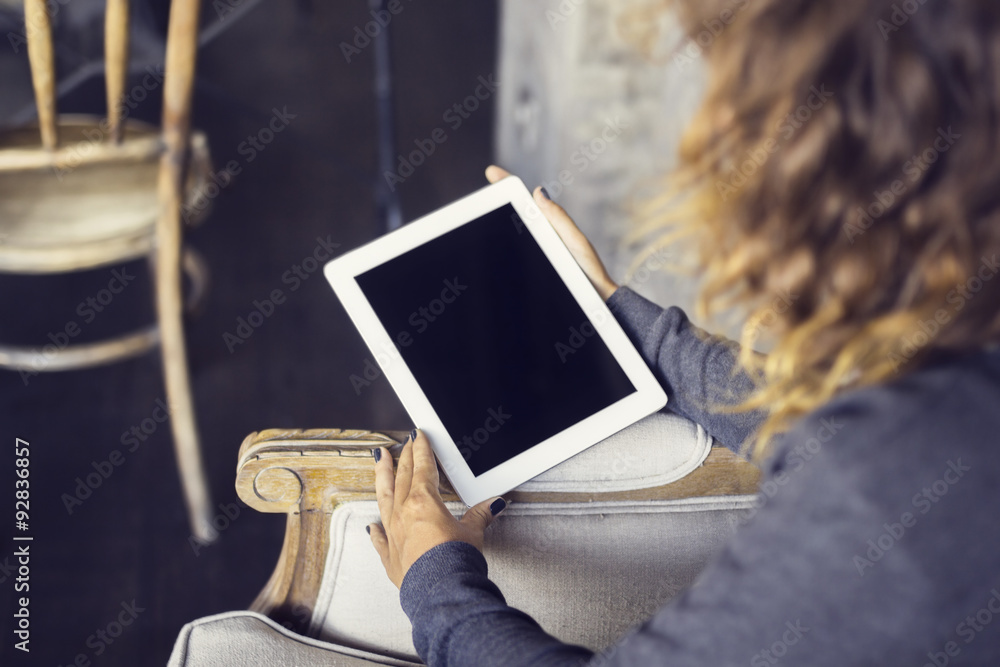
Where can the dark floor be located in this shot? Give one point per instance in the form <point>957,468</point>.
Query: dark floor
<point>128,542</point>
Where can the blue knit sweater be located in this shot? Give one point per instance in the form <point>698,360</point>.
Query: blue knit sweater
<point>876,542</point>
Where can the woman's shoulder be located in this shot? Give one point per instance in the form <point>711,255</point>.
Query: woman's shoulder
<point>925,445</point>
<point>951,404</point>
<point>914,462</point>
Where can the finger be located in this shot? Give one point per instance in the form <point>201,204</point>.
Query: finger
<point>576,242</point>
<point>384,485</point>
<point>479,517</point>
<point>404,474</point>
<point>425,470</point>
<point>558,216</point>
<point>495,173</point>
<point>380,542</point>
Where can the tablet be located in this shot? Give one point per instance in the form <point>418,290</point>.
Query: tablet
<point>498,346</point>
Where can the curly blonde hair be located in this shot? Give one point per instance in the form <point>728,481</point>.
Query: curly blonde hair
<point>841,184</point>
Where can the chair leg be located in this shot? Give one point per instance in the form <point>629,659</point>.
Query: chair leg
<point>182,417</point>
<point>178,84</point>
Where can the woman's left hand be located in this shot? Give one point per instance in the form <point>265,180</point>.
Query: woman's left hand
<point>414,518</point>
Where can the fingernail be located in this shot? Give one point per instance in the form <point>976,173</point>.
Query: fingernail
<point>498,506</point>
<point>368,529</point>
<point>413,435</point>
<point>545,193</point>
<point>377,453</point>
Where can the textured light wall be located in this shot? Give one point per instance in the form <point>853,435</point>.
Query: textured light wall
<point>581,99</point>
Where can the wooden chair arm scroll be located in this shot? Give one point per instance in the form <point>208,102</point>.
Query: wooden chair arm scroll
<point>306,474</point>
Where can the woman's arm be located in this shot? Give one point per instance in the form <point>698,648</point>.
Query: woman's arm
<point>460,617</point>
<point>698,371</point>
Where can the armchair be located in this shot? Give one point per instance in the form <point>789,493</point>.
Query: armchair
<point>557,553</point>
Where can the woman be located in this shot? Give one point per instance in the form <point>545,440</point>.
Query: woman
<point>843,178</point>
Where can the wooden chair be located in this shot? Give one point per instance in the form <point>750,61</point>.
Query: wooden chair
<point>98,192</point>
<point>308,474</point>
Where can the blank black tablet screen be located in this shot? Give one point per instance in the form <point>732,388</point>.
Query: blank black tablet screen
<point>494,338</point>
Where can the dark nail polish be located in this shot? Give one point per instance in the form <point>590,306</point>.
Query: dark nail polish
<point>413,435</point>
<point>545,193</point>
<point>368,529</point>
<point>377,453</point>
<point>498,506</point>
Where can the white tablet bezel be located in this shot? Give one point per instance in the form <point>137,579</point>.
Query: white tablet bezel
<point>648,398</point>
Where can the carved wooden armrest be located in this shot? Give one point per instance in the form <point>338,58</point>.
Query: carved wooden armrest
<point>306,474</point>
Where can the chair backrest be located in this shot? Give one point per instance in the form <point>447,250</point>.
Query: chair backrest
<point>180,57</point>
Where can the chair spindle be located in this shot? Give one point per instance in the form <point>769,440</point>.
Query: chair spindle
<point>116,45</point>
<point>41,55</point>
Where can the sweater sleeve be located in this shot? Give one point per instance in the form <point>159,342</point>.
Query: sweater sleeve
<point>698,371</point>
<point>460,618</point>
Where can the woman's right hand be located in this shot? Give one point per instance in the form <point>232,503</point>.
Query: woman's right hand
<point>575,241</point>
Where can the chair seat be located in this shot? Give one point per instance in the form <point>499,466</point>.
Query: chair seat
<point>87,204</point>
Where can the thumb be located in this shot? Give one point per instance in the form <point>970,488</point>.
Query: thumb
<point>479,517</point>
<point>380,541</point>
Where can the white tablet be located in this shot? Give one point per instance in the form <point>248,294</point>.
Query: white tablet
<point>497,344</point>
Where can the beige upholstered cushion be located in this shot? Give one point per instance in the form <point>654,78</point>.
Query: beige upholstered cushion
<point>246,639</point>
<point>657,450</point>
